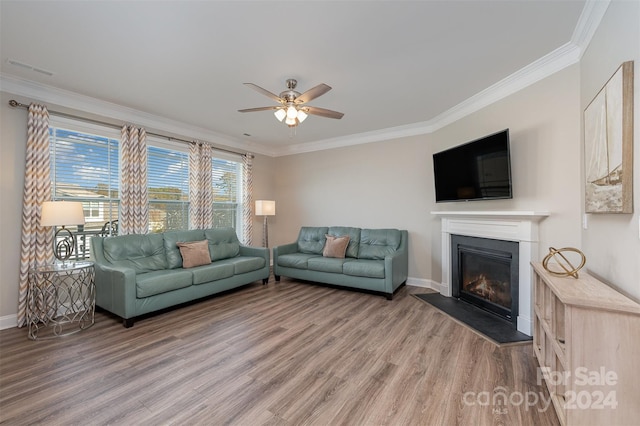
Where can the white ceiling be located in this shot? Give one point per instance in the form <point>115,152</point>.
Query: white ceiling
<point>390,63</point>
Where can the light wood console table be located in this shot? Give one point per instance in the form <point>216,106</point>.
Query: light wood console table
<point>586,338</point>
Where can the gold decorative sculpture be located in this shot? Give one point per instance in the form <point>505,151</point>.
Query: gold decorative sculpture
<point>569,269</point>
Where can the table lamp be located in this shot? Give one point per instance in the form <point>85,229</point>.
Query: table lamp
<point>265,208</point>
<point>62,213</point>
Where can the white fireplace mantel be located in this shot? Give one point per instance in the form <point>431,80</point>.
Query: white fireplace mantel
<point>532,215</point>
<point>518,226</point>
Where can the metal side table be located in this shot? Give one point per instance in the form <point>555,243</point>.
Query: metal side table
<point>61,299</point>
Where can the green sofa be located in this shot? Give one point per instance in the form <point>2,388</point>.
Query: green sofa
<point>139,274</point>
<point>376,260</point>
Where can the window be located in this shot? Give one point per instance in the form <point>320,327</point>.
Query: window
<point>93,211</point>
<point>227,194</point>
<point>85,167</point>
<point>168,188</point>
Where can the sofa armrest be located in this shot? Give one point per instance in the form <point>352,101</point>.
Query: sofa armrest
<point>279,251</point>
<point>398,264</point>
<point>284,249</point>
<point>116,289</point>
<point>256,252</point>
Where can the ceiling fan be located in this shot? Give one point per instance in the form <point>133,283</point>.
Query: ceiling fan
<point>292,109</point>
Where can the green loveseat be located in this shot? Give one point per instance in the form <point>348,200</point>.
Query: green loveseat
<point>138,274</point>
<point>375,260</point>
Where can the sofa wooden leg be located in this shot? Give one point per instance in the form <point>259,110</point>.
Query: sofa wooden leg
<point>389,296</point>
<point>277,277</point>
<point>127,322</point>
<point>265,281</point>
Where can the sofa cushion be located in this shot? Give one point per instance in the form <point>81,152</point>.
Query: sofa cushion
<point>195,253</point>
<point>354,238</point>
<point>172,238</point>
<point>156,282</point>
<point>311,239</point>
<point>326,264</point>
<point>296,260</point>
<point>223,243</point>
<point>378,243</point>
<point>364,268</point>
<point>212,272</point>
<point>144,253</point>
<point>335,246</point>
<point>244,264</point>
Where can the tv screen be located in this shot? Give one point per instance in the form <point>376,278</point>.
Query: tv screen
<point>477,170</point>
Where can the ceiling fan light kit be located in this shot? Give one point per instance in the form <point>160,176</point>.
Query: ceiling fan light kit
<point>291,110</point>
<point>280,114</point>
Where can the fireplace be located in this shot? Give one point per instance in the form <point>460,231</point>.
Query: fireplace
<point>485,274</point>
<point>516,226</point>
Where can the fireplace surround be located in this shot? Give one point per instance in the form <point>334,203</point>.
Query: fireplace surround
<point>516,226</point>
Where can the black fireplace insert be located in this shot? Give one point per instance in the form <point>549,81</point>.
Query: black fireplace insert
<point>485,274</point>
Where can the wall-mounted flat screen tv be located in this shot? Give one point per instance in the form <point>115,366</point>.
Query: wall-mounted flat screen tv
<point>477,170</point>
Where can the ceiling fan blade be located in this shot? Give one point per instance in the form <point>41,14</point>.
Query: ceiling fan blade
<point>259,109</point>
<point>313,93</point>
<point>264,92</point>
<point>323,112</point>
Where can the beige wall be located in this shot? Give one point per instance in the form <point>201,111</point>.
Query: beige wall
<point>612,241</point>
<point>390,184</point>
<point>13,136</point>
<point>263,189</point>
<point>378,185</point>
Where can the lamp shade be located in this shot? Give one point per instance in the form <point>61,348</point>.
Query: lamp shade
<point>265,208</point>
<point>280,114</point>
<point>58,213</point>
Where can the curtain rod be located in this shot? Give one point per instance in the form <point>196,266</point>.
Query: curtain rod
<point>15,104</point>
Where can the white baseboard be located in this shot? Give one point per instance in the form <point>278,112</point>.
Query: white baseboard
<point>8,321</point>
<point>424,283</point>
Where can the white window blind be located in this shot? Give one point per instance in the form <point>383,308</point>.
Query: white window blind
<point>168,188</point>
<point>84,167</point>
<point>227,187</point>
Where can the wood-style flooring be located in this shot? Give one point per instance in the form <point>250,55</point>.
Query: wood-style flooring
<point>287,353</point>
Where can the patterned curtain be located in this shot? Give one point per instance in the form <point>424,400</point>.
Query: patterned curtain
<point>200,186</point>
<point>37,241</point>
<point>247,199</point>
<point>134,199</point>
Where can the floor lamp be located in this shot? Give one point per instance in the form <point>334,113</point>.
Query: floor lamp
<point>265,208</point>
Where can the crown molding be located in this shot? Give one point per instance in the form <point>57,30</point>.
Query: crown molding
<point>549,64</point>
<point>75,101</point>
<point>588,23</point>
<point>357,139</point>
<point>559,59</point>
<point>564,56</point>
